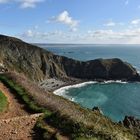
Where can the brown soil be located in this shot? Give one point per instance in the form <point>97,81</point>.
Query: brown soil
<point>16,123</point>
<point>18,128</point>
<point>14,107</point>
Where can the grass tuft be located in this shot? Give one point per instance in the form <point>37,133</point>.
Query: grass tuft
<point>3,102</point>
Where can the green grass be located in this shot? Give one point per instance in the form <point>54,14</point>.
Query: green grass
<point>23,95</point>
<point>3,102</point>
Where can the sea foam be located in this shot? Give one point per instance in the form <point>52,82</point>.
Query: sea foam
<point>64,90</point>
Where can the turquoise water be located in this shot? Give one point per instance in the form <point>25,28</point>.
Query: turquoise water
<point>116,100</point>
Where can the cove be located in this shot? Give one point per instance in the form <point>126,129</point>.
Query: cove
<point>115,99</point>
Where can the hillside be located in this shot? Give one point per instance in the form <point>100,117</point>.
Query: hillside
<point>39,64</point>
<point>65,116</point>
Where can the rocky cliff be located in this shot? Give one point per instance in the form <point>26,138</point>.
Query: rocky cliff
<point>38,64</point>
<point>133,124</point>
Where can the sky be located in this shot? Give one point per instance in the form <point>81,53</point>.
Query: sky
<point>72,21</point>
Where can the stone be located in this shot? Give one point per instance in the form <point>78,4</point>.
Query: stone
<point>97,109</point>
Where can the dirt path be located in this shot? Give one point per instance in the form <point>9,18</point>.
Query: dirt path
<point>16,123</point>
<point>14,107</point>
<point>18,128</point>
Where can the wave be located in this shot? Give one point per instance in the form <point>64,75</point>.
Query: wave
<point>64,90</point>
<point>138,71</point>
<point>136,67</point>
<point>114,81</point>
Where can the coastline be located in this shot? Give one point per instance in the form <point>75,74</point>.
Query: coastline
<point>63,90</point>
<point>60,91</point>
<point>76,85</point>
<point>53,84</point>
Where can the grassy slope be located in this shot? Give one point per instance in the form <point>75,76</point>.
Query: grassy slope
<point>3,102</point>
<point>71,119</point>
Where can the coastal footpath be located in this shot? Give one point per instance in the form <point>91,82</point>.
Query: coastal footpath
<point>26,68</point>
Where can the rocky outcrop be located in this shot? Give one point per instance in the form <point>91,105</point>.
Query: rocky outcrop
<point>38,64</point>
<point>133,124</point>
<point>97,109</point>
<point>106,69</point>
<point>2,68</point>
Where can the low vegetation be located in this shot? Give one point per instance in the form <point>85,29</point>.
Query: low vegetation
<point>64,116</point>
<point>22,95</point>
<point>3,102</point>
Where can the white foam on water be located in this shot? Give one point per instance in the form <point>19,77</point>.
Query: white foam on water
<point>114,81</point>
<point>138,71</point>
<point>64,90</point>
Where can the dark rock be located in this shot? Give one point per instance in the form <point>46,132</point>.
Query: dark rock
<point>2,68</point>
<point>97,109</point>
<point>133,124</point>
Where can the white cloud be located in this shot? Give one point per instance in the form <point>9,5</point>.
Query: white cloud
<point>110,36</point>
<point>66,19</point>
<point>73,29</point>
<point>92,36</point>
<point>135,22</point>
<point>29,3</point>
<point>110,23</point>
<point>113,24</point>
<point>23,3</point>
<point>44,36</point>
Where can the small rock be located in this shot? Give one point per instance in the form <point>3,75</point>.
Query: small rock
<point>97,109</point>
<point>13,132</point>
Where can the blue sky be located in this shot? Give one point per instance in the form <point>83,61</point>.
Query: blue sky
<point>72,21</point>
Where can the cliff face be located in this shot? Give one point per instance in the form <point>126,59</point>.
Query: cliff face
<point>38,64</point>
<point>100,69</point>
<point>34,62</point>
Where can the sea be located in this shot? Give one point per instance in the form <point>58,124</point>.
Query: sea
<point>116,99</point>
